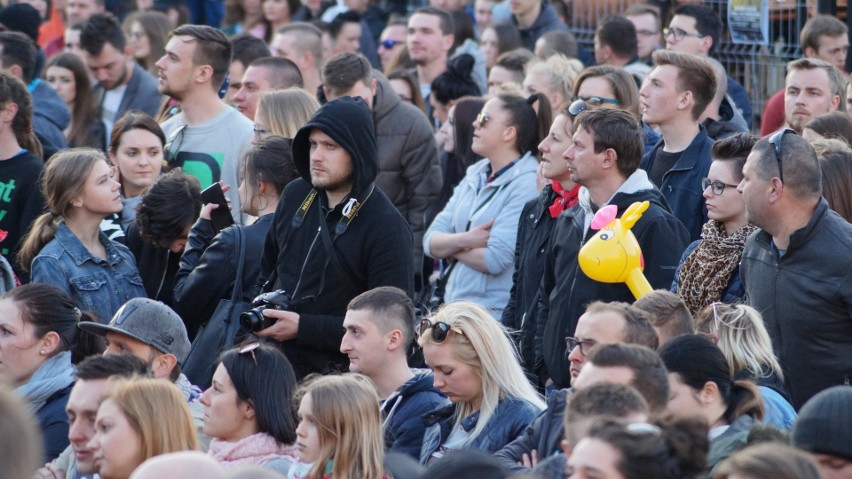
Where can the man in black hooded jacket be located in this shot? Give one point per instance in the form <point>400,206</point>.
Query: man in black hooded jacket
<point>334,236</point>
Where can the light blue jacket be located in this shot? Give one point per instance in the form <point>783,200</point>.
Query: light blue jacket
<point>478,202</point>
<point>96,285</point>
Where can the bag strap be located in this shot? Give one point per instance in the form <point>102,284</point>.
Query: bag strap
<point>237,293</point>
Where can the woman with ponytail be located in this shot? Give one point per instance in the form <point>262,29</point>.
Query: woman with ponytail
<point>20,167</point>
<point>38,338</point>
<point>66,247</point>
<point>476,231</point>
<point>701,384</point>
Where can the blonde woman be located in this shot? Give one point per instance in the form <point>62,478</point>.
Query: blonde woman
<point>283,112</point>
<point>340,433</point>
<point>137,420</point>
<point>477,368</point>
<point>739,332</point>
<point>553,77</point>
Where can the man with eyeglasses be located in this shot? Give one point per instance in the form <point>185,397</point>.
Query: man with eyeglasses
<point>823,37</point>
<point>208,138</point>
<point>697,29</point>
<point>649,35</point>
<point>675,96</point>
<point>797,270</point>
<point>601,324</point>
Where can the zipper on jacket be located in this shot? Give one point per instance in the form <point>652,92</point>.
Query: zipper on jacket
<point>302,271</point>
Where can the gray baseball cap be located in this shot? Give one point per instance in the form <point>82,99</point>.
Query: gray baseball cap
<point>150,322</point>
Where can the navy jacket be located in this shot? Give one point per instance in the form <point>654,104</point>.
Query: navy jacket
<point>682,184</point>
<point>403,413</point>
<point>547,21</point>
<point>50,117</point>
<point>510,418</point>
<point>544,435</point>
<point>53,422</point>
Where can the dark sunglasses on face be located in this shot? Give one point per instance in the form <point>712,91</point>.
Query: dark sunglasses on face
<point>576,108</point>
<point>388,44</point>
<point>440,330</point>
<point>482,118</point>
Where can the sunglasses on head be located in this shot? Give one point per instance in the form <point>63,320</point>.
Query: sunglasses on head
<point>777,140</point>
<point>440,330</point>
<point>388,44</point>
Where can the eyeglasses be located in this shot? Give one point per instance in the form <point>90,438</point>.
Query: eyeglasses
<point>576,108</point>
<point>777,140</point>
<point>388,44</point>
<point>173,146</point>
<point>584,344</point>
<point>440,330</point>
<point>679,34</point>
<point>718,185</point>
<point>482,118</point>
<point>249,348</point>
<point>259,133</point>
<point>596,101</point>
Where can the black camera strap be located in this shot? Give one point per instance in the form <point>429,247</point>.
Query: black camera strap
<point>331,252</point>
<point>237,293</point>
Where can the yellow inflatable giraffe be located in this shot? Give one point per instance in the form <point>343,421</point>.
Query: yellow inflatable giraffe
<point>613,255</point>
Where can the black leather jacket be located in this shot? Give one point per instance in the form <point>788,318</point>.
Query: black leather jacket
<point>805,298</point>
<point>209,266</point>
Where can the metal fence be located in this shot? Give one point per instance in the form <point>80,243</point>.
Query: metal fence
<point>759,68</point>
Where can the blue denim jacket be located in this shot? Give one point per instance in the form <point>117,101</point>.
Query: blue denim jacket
<point>96,285</point>
<point>511,416</point>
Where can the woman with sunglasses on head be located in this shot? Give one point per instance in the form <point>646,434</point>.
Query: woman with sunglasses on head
<point>246,410</point>
<point>740,334</point>
<point>476,231</point>
<point>536,223</point>
<point>701,384</point>
<point>667,449</point>
<point>66,247</point>
<point>476,367</point>
<point>605,86</point>
<point>709,268</point>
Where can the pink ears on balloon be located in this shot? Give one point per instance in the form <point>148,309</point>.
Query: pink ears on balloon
<point>604,216</point>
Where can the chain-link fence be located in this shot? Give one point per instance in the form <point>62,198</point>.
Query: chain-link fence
<point>759,68</point>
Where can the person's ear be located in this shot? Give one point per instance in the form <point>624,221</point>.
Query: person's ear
<point>566,448</point>
<point>49,343</point>
<point>395,340</point>
<point>810,52</point>
<point>373,86</point>
<point>163,365</point>
<point>706,43</point>
<point>203,73</point>
<point>610,159</point>
<point>835,103</point>
<point>685,100</point>
<point>449,40</point>
<point>248,410</point>
<point>709,392</point>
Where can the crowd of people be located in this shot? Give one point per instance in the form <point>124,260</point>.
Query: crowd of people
<point>313,240</point>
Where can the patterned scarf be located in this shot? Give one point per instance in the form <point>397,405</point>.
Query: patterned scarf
<point>564,198</point>
<point>707,271</point>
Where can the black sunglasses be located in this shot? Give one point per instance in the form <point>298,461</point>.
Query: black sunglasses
<point>440,330</point>
<point>388,44</point>
<point>777,140</point>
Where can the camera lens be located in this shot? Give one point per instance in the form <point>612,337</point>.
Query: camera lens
<point>252,320</point>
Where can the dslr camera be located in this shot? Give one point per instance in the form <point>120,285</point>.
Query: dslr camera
<point>253,320</point>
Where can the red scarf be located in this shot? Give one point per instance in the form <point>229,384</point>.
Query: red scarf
<point>564,198</point>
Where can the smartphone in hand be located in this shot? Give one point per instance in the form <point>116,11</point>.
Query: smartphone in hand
<point>221,216</point>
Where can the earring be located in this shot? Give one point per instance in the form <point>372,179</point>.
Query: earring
<point>41,352</point>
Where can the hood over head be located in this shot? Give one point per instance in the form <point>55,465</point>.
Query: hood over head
<point>349,122</point>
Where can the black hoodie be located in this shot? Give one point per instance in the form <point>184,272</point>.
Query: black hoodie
<point>372,249</point>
